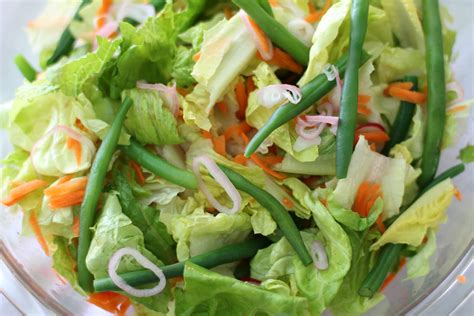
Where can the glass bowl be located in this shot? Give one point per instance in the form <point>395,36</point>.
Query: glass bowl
<point>438,293</point>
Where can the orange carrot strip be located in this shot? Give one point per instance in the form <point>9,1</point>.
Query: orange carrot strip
<point>222,106</point>
<point>219,145</point>
<point>206,134</point>
<point>363,99</point>
<point>461,278</point>
<point>375,136</point>
<point>19,192</point>
<point>401,85</point>
<point>183,92</point>
<point>138,172</point>
<point>197,56</point>
<point>66,200</point>
<point>228,13</point>
<point>260,35</point>
<point>64,179</point>
<point>272,160</point>
<point>315,15</point>
<point>364,110</point>
<point>67,187</point>
<point>250,85</point>
<point>240,159</point>
<point>237,129</point>
<point>288,203</point>
<point>265,168</point>
<point>242,99</point>
<point>391,276</point>
<point>33,220</point>
<point>75,226</point>
<point>103,9</point>
<point>75,146</point>
<point>360,197</point>
<point>284,61</point>
<point>114,303</point>
<point>456,109</point>
<point>458,194</point>
<point>380,224</point>
<point>407,95</point>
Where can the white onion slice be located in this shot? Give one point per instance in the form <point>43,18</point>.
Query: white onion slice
<point>263,148</point>
<point>302,30</point>
<point>319,255</point>
<point>272,95</point>
<point>333,120</point>
<point>456,87</point>
<point>85,141</point>
<point>331,72</point>
<point>142,260</point>
<point>169,93</point>
<point>220,178</point>
<point>308,131</point>
<point>265,55</point>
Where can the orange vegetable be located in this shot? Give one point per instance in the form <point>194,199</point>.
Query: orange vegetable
<point>75,146</point>
<point>391,276</point>
<point>401,85</point>
<point>375,136</point>
<point>363,99</point>
<point>103,9</point>
<point>461,279</point>
<point>138,172</point>
<point>67,187</point>
<point>288,203</point>
<point>284,61</point>
<point>197,56</point>
<point>228,13</point>
<point>219,145</point>
<point>222,106</point>
<point>365,198</point>
<point>75,226</point>
<point>456,109</point>
<point>273,3</point>
<point>316,15</point>
<point>236,130</point>
<point>64,179</point>
<point>364,110</point>
<point>206,134</point>
<point>240,159</point>
<point>407,95</point>
<point>265,43</point>
<point>21,191</point>
<point>33,220</point>
<point>112,302</point>
<point>242,99</point>
<point>250,85</point>
<point>458,194</point>
<point>66,200</point>
<point>272,160</point>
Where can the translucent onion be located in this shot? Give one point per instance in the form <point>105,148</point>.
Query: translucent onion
<point>455,87</point>
<point>272,95</point>
<point>142,260</point>
<point>220,178</point>
<point>108,29</point>
<point>302,30</point>
<point>319,255</point>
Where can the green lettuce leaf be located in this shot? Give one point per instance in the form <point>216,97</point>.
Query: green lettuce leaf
<point>419,265</point>
<point>394,63</point>
<point>11,167</point>
<point>64,262</point>
<point>57,222</point>
<point>351,219</point>
<point>466,154</point>
<point>427,212</point>
<point>150,120</point>
<point>453,122</point>
<point>414,141</point>
<point>367,165</point>
<point>321,166</point>
<point>209,293</point>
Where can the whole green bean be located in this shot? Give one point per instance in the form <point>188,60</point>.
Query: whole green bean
<point>390,253</point>
<point>278,212</point>
<point>159,166</point>
<point>25,68</point>
<point>436,105</point>
<point>311,92</point>
<point>266,6</point>
<point>401,125</point>
<point>275,31</point>
<point>207,260</point>
<point>350,90</point>
<point>94,188</point>
<point>66,41</point>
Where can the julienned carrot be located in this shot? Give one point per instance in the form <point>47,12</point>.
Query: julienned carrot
<point>236,130</point>
<point>242,98</point>
<point>250,85</point>
<point>375,136</point>
<point>70,186</point>
<point>75,227</point>
<point>401,85</point>
<point>272,160</point>
<point>112,302</point>
<point>66,200</point>
<point>287,202</point>
<point>240,159</point>
<point>283,61</point>
<point>456,109</point>
<point>138,172</point>
<point>103,9</point>
<point>219,145</point>
<point>366,196</point>
<point>75,146</point>
<point>363,109</point>
<point>33,220</point>
<point>21,191</point>
<point>363,99</point>
<point>64,179</point>
<point>222,106</point>
<point>391,276</point>
<point>197,56</point>
<point>458,194</point>
<point>262,38</point>
<point>316,15</point>
<point>407,95</point>
<point>206,134</point>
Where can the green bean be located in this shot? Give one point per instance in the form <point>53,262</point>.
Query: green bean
<point>266,6</point>
<point>159,166</point>
<point>275,31</point>
<point>311,93</point>
<point>94,188</point>
<point>25,68</point>
<point>207,260</point>
<point>66,41</point>
<point>350,90</point>
<point>401,125</point>
<point>278,212</point>
<point>436,105</point>
<point>158,4</point>
<point>390,253</point>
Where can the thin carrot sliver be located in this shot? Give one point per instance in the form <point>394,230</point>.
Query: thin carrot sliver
<point>458,194</point>
<point>240,159</point>
<point>222,106</point>
<point>67,187</point>
<point>206,134</point>
<point>250,85</point>
<point>273,3</point>
<point>66,200</point>
<point>75,146</point>
<point>316,15</point>
<point>138,172</point>
<point>363,99</point>
<point>283,60</point>
<point>407,95</point>
<point>272,160</point>
<point>64,179</point>
<point>33,220</point>
<point>456,109</point>
<point>242,99</point>
<point>265,168</point>
<point>237,129</point>
<point>461,278</point>
<point>114,303</point>
<point>387,281</point>
<point>19,192</point>
<point>75,226</point>
<point>401,85</point>
<point>260,35</point>
<point>375,136</point>
<point>364,110</point>
<point>219,145</point>
<point>288,203</point>
<point>103,9</point>
<point>197,56</point>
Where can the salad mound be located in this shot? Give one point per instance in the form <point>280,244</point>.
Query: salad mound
<point>245,157</point>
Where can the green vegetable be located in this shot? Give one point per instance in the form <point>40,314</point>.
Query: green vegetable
<point>275,31</point>
<point>419,265</point>
<point>400,127</point>
<point>210,259</point>
<point>350,90</point>
<point>279,213</point>
<point>25,68</point>
<point>156,238</point>
<point>94,188</point>
<point>159,166</point>
<point>466,154</point>
<point>66,42</point>
<point>450,173</point>
<point>436,105</point>
<point>311,93</point>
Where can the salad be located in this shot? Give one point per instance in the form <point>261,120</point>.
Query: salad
<point>245,157</point>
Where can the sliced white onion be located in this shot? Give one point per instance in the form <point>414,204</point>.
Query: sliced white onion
<point>272,95</point>
<point>83,140</point>
<point>136,11</point>
<point>220,178</point>
<point>246,21</point>
<point>319,255</point>
<point>263,148</point>
<point>333,120</point>
<point>456,87</point>
<point>302,30</point>
<point>169,93</point>
<point>326,109</point>
<point>308,131</point>
<point>142,260</point>
<point>108,29</point>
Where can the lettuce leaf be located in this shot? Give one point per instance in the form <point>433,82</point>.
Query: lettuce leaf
<point>150,120</point>
<point>394,63</point>
<point>57,222</point>
<point>194,108</point>
<point>419,265</point>
<point>321,166</point>
<point>351,219</point>
<point>64,262</point>
<point>209,293</point>
<point>466,154</point>
<point>428,212</point>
